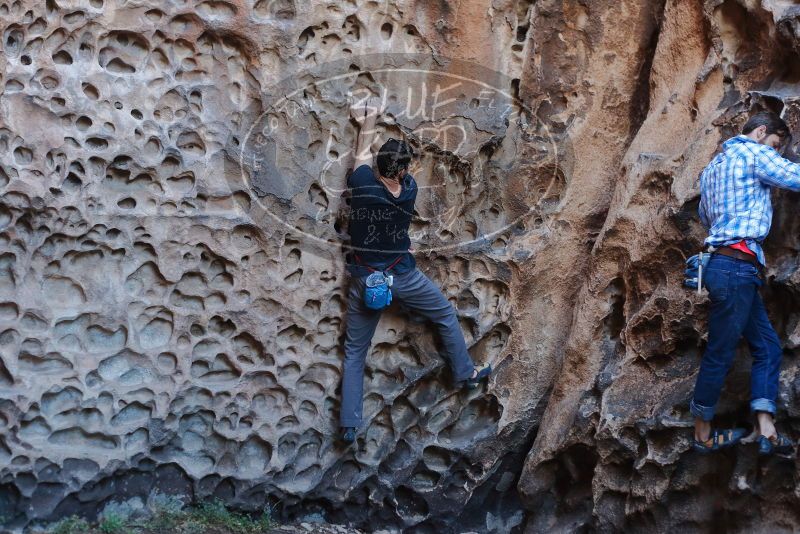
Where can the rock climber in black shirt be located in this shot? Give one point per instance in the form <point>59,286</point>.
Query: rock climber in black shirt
<point>381,209</point>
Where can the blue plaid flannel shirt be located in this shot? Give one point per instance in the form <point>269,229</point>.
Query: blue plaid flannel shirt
<point>735,190</point>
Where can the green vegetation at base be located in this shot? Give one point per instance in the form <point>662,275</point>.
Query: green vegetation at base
<point>171,518</point>
<point>113,524</point>
<point>215,515</point>
<point>71,525</point>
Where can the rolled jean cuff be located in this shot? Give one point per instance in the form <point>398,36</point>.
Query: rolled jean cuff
<point>703,412</point>
<point>763,405</point>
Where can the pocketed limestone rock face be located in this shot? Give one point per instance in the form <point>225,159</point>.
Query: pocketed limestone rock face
<point>172,286</point>
<point>173,291</point>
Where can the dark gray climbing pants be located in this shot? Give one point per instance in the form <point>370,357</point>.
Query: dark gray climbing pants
<point>417,293</point>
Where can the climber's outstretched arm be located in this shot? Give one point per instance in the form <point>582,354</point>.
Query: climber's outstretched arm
<point>365,113</point>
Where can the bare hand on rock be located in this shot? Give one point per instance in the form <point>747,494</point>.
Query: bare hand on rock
<point>366,111</point>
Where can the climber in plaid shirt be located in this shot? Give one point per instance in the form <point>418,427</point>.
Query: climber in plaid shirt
<point>735,206</point>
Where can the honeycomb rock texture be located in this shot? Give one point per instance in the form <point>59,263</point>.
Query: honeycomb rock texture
<point>173,289</point>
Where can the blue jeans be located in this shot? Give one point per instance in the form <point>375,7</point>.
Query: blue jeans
<point>736,310</point>
<point>418,294</point>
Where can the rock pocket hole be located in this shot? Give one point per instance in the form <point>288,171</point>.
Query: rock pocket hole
<point>127,203</point>
<point>83,123</point>
<point>97,143</point>
<point>23,156</point>
<point>91,91</point>
<point>62,58</point>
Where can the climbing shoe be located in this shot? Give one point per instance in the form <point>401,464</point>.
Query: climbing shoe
<point>481,372</point>
<point>720,439</point>
<point>348,434</point>
<point>780,445</point>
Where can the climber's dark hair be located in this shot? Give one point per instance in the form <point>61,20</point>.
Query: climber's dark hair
<point>393,157</point>
<point>775,124</point>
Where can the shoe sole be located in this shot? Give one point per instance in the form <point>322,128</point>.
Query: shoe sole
<point>472,385</point>
<point>707,450</point>
<point>789,455</point>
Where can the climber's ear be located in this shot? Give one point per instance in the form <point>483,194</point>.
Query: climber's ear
<point>761,132</point>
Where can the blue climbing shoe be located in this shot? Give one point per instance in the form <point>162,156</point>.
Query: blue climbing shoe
<point>778,444</point>
<point>720,439</point>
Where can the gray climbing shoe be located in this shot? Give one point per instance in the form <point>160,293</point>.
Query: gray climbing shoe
<point>348,434</point>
